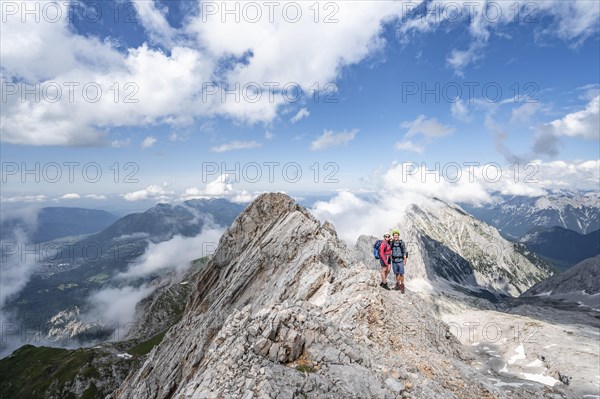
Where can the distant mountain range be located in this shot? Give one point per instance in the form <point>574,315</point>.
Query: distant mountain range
<point>66,278</point>
<point>516,215</point>
<point>56,222</point>
<point>564,248</point>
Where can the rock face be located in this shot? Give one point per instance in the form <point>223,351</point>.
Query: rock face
<point>164,306</point>
<point>582,278</point>
<point>285,309</point>
<point>448,247</point>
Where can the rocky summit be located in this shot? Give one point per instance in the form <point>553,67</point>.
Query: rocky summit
<point>285,309</point>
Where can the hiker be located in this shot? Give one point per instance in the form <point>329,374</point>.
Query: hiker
<point>385,260</point>
<point>399,255</point>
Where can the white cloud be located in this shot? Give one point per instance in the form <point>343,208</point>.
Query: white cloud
<point>148,142</point>
<point>154,192</point>
<point>318,50</point>
<point>221,187</point>
<point>407,145</point>
<point>574,175</point>
<point>71,196</point>
<point>524,113</point>
<point>175,254</point>
<point>269,135</point>
<point>460,59</point>
<point>460,111</point>
<point>573,22</point>
<point>196,53</point>
<point>331,139</point>
<point>25,198</point>
<point>193,55</point>
<point>236,145</point>
<point>99,197</point>
<point>120,143</point>
<point>116,305</point>
<point>154,21</point>
<point>303,113</point>
<point>584,123</point>
<point>429,128</point>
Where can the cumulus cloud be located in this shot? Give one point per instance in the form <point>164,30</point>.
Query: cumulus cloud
<point>71,196</point>
<point>189,57</point>
<point>583,124</point>
<point>303,113</point>
<point>99,197</point>
<point>207,48</point>
<point>221,187</point>
<point>235,145</point>
<point>331,139</point>
<point>269,135</point>
<point>154,192</point>
<point>148,142</point>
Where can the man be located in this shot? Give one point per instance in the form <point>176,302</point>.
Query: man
<point>385,260</point>
<point>399,255</point>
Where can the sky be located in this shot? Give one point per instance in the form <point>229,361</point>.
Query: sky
<point>119,105</point>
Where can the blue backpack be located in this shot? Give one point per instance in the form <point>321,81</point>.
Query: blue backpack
<point>376,249</point>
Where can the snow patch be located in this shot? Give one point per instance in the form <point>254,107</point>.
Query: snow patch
<point>124,356</point>
<point>519,354</point>
<point>535,363</point>
<point>541,378</point>
<point>499,383</point>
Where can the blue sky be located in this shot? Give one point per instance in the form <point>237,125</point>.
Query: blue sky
<point>371,67</point>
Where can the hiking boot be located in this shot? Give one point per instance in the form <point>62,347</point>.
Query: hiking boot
<point>384,285</point>
<point>396,287</point>
<point>402,288</point>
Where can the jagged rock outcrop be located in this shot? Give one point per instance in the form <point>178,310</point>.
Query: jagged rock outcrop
<point>285,309</point>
